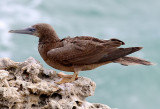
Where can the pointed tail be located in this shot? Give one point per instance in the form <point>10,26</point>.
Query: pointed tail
<point>128,60</point>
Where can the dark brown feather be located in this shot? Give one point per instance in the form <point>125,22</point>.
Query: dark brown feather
<point>82,51</point>
<point>118,53</point>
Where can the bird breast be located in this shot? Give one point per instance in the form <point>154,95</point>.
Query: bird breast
<point>43,49</point>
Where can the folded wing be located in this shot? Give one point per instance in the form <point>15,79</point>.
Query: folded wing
<point>83,52</point>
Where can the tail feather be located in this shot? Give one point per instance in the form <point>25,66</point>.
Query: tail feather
<point>132,61</point>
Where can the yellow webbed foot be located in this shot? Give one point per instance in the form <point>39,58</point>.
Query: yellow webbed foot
<point>66,78</point>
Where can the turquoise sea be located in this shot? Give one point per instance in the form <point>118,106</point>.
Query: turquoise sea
<point>136,22</point>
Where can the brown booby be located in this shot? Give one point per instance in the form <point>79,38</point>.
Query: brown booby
<point>79,53</point>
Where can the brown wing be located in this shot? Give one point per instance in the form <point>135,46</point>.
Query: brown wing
<point>82,51</point>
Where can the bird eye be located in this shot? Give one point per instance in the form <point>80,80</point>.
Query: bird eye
<point>32,29</point>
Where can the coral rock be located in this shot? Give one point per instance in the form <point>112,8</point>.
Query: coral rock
<point>27,85</point>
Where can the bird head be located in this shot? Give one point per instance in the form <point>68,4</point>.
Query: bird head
<point>39,30</point>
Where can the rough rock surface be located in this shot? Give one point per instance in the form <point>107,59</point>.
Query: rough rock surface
<point>27,85</point>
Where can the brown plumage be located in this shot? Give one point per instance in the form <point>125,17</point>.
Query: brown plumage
<point>79,53</point>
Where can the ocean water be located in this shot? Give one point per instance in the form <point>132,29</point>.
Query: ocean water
<point>136,22</point>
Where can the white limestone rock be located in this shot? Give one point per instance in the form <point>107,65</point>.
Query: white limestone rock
<point>27,85</point>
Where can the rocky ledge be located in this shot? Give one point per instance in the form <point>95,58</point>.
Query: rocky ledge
<point>27,85</point>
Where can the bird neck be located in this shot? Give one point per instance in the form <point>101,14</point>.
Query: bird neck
<point>49,37</point>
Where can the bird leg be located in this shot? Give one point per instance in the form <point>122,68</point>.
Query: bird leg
<point>67,78</point>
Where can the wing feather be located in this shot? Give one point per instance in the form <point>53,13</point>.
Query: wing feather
<point>82,51</point>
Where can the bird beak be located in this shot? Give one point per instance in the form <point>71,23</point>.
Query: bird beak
<point>29,30</point>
